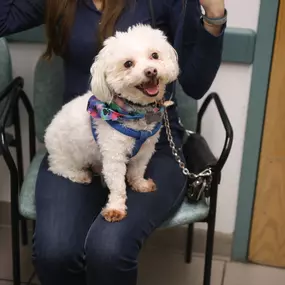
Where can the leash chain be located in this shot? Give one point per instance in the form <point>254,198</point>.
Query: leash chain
<point>199,184</point>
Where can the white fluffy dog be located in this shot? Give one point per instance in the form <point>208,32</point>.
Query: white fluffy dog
<point>130,72</point>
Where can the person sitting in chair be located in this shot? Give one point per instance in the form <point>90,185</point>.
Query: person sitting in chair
<point>73,243</point>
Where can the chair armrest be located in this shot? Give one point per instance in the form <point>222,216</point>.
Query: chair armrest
<point>199,156</point>
<point>227,126</point>
<point>10,97</point>
<point>7,99</point>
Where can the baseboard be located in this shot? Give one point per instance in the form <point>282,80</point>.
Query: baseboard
<point>173,239</point>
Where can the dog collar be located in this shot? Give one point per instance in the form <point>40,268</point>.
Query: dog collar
<point>119,110</point>
<point>132,104</point>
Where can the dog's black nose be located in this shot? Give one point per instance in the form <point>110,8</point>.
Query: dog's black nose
<point>150,72</point>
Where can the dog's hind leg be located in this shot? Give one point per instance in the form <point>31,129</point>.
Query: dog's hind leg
<point>77,176</point>
<point>82,176</point>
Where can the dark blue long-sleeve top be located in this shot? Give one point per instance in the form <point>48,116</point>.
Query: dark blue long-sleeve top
<point>199,51</point>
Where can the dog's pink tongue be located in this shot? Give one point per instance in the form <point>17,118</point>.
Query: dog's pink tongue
<point>152,90</point>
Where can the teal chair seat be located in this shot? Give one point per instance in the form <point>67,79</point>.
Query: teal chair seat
<point>27,197</point>
<point>187,214</point>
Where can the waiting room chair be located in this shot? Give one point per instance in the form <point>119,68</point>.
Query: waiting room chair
<point>9,118</point>
<point>48,90</point>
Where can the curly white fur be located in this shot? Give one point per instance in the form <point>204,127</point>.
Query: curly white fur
<point>71,147</point>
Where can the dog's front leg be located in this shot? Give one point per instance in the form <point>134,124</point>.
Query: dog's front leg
<point>114,172</point>
<point>137,167</point>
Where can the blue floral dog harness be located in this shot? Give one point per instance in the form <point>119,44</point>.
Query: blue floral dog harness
<point>116,112</point>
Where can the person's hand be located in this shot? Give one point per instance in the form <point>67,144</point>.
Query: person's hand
<point>213,8</point>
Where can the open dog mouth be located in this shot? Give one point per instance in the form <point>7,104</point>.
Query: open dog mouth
<point>150,88</point>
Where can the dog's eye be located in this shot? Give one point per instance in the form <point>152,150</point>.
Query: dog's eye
<point>128,64</point>
<point>155,55</point>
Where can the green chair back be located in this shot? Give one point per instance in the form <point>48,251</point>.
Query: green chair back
<point>5,70</point>
<point>49,87</point>
<point>5,64</point>
<point>48,92</point>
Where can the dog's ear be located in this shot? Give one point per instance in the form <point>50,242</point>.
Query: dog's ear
<point>99,85</point>
<point>173,56</point>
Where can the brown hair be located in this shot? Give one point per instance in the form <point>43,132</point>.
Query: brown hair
<point>60,16</point>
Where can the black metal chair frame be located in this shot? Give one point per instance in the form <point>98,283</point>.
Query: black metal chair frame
<point>213,192</point>
<point>10,97</point>
<point>15,90</point>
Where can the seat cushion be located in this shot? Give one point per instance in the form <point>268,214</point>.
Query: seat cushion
<point>187,213</point>
<point>27,196</point>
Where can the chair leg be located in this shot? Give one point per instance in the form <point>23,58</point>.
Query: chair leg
<point>24,231</point>
<point>19,154</point>
<point>210,234</point>
<point>209,253</point>
<point>15,242</point>
<point>16,180</point>
<point>189,244</point>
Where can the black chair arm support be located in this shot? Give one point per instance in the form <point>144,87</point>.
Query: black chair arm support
<point>10,97</point>
<point>197,152</point>
<point>227,126</point>
<point>10,116</point>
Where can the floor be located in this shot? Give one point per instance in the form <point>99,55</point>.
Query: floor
<point>160,265</point>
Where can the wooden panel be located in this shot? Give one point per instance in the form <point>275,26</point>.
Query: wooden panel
<point>267,241</point>
<point>265,38</point>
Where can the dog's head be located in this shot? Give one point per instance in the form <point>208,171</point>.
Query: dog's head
<point>136,64</point>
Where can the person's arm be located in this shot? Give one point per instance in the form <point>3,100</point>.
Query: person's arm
<point>19,15</point>
<point>199,47</point>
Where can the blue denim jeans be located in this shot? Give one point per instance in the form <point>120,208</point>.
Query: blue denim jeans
<point>74,245</point>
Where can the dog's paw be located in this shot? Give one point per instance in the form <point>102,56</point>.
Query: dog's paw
<point>82,177</point>
<point>113,215</point>
<point>143,185</point>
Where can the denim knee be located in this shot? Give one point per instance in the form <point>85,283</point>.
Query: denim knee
<point>54,255</point>
<point>109,251</point>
